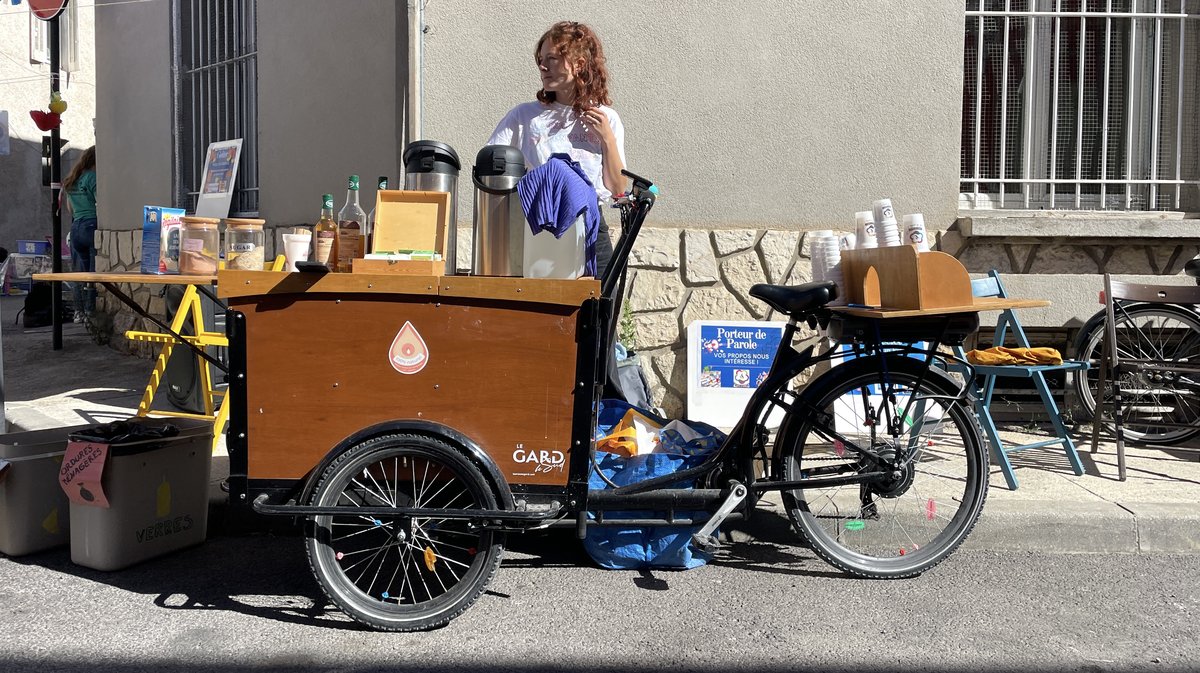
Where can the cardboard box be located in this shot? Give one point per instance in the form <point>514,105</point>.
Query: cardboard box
<point>157,496</point>
<point>34,511</point>
<point>161,228</point>
<point>33,247</point>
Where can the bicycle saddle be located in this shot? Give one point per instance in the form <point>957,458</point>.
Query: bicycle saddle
<point>795,300</point>
<point>1192,268</point>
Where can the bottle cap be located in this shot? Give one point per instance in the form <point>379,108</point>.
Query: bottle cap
<point>353,182</point>
<point>383,182</point>
<point>327,200</point>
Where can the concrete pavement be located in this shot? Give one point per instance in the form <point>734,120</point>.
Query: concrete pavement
<point>1155,511</point>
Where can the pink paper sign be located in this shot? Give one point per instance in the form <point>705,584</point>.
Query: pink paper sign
<point>81,472</point>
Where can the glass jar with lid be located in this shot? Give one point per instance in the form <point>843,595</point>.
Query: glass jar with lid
<point>199,246</point>
<point>244,244</point>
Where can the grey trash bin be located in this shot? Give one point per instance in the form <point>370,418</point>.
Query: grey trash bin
<point>34,513</point>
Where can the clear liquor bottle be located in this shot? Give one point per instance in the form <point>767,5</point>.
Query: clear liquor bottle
<point>325,234</point>
<point>350,228</point>
<point>369,232</point>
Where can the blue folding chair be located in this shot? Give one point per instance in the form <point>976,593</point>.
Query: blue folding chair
<point>992,287</point>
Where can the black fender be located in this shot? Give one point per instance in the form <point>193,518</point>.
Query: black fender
<point>463,443</point>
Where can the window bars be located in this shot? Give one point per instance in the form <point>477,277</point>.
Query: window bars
<point>216,96</point>
<point>1081,104</point>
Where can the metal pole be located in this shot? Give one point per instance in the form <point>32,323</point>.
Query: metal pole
<point>416,54</point>
<point>55,189</point>
<point>3,414</point>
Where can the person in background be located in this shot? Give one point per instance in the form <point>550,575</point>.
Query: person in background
<point>80,188</point>
<point>572,116</point>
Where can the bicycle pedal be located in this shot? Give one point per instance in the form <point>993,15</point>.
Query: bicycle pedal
<point>708,544</point>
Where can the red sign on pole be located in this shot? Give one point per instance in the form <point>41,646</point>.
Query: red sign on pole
<point>47,9</point>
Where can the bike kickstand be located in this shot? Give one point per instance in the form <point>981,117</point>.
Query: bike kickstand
<point>704,538</point>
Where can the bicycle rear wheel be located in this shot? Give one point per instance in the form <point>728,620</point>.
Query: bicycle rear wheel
<point>1147,332</point>
<point>914,518</point>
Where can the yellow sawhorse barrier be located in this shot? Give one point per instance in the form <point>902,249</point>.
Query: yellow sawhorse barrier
<point>189,307</point>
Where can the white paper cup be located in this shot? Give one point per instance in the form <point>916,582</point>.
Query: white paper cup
<point>865,234</point>
<point>296,248</point>
<point>915,233</point>
<point>883,210</point>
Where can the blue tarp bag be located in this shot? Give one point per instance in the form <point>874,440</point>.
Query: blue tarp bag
<point>652,546</point>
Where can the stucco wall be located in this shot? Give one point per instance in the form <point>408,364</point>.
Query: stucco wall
<point>134,123</point>
<point>330,80</point>
<point>24,202</point>
<point>755,113</point>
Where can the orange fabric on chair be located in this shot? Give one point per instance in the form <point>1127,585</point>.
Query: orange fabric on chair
<point>1000,355</point>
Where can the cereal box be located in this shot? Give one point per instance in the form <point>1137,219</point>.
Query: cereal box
<point>161,228</point>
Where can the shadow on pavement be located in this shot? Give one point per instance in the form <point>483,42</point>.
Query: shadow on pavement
<point>44,665</point>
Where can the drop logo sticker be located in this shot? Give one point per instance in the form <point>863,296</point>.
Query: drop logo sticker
<point>408,354</point>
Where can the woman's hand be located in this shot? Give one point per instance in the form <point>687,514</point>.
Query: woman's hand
<point>597,122</point>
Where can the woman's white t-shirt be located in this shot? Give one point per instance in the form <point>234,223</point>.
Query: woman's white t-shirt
<point>540,130</point>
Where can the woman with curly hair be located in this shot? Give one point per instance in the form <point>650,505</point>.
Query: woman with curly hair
<point>571,116</point>
<point>80,189</point>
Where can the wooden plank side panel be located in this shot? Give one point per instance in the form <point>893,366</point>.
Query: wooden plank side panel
<point>253,283</point>
<point>318,370</point>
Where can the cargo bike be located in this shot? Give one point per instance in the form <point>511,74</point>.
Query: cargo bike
<point>413,422</point>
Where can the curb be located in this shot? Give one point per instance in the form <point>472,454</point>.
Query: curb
<point>1048,526</point>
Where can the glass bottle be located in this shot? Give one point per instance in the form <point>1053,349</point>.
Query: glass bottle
<point>325,235</point>
<point>369,232</point>
<point>350,228</point>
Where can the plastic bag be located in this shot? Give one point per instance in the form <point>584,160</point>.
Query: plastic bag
<point>649,546</point>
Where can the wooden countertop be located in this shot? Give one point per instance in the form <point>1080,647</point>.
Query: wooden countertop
<point>124,277</point>
<point>980,304</point>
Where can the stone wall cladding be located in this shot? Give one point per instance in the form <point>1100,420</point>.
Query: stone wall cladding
<point>708,277</point>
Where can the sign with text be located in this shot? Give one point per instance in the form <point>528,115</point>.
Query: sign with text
<point>218,178</point>
<point>727,361</point>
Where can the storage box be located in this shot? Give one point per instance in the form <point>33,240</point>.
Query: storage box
<point>411,220</point>
<point>161,229</point>
<point>22,266</point>
<point>34,512</point>
<point>33,247</point>
<point>157,492</point>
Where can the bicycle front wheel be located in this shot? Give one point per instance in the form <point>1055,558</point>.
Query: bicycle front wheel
<point>912,519</point>
<point>1151,399</point>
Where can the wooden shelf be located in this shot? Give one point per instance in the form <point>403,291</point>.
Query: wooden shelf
<point>979,304</point>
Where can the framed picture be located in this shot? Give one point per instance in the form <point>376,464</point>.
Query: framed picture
<point>218,178</point>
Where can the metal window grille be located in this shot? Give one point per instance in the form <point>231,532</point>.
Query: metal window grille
<point>1081,104</point>
<point>216,97</point>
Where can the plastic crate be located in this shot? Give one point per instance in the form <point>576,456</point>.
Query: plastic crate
<point>33,247</point>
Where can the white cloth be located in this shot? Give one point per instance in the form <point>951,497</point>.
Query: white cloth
<point>540,130</point>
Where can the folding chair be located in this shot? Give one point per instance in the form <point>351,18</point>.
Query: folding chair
<point>992,287</point>
<point>1156,360</point>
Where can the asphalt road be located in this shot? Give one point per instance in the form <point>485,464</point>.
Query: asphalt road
<point>242,603</point>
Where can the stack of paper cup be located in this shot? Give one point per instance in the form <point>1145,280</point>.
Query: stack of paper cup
<point>865,223</point>
<point>827,259</point>
<point>887,230</point>
<point>816,252</point>
<point>914,231</point>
